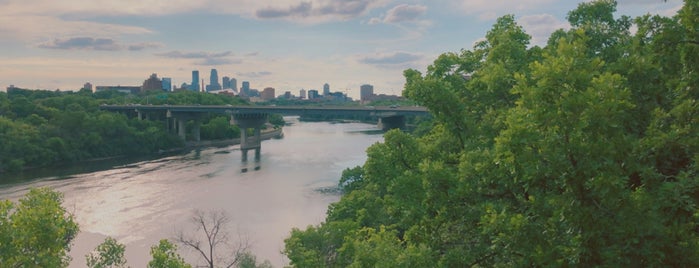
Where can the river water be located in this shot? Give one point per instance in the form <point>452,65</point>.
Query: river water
<point>143,202</point>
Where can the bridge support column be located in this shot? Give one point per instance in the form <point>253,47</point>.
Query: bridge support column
<point>392,122</point>
<point>254,141</point>
<point>197,130</point>
<point>181,128</point>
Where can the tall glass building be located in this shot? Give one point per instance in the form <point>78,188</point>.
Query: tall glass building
<point>214,84</point>
<point>195,81</point>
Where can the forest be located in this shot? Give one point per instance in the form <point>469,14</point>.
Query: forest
<point>42,128</point>
<point>582,153</point>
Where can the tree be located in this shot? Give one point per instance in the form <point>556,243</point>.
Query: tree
<point>538,157</point>
<point>248,260</point>
<point>36,232</point>
<point>216,240</point>
<point>108,254</point>
<point>165,256</point>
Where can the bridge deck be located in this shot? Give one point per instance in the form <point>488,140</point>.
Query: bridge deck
<point>284,110</point>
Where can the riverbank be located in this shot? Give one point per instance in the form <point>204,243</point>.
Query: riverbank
<point>65,170</point>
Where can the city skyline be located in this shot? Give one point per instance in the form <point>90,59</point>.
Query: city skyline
<point>287,45</point>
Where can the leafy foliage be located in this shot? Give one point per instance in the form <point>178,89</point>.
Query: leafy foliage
<point>43,128</point>
<point>108,254</point>
<point>581,153</point>
<point>37,231</point>
<point>165,256</point>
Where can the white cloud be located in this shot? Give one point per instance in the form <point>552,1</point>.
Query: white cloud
<point>540,27</point>
<point>43,28</point>
<point>397,59</point>
<point>401,13</point>
<point>202,58</point>
<point>317,11</point>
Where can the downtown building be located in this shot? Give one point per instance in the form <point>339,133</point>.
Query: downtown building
<point>366,93</point>
<point>213,85</point>
<point>194,86</point>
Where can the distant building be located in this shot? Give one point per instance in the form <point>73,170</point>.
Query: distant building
<point>302,94</point>
<point>326,89</point>
<point>214,85</point>
<point>366,92</point>
<point>336,96</point>
<point>313,94</point>
<point>245,88</point>
<point>195,81</point>
<point>234,84</point>
<point>384,97</point>
<point>88,85</point>
<point>152,83</point>
<point>194,85</point>
<point>123,89</point>
<point>267,93</point>
<point>167,84</point>
<point>226,83</point>
<point>287,95</point>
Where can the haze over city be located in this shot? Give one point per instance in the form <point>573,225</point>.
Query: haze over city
<point>288,45</point>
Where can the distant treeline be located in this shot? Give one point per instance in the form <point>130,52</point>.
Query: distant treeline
<point>40,128</point>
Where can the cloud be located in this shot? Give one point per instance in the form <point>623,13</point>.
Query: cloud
<point>99,44</point>
<point>390,59</point>
<point>84,43</point>
<point>176,54</point>
<point>202,58</point>
<point>34,28</point>
<point>303,9</point>
<point>255,74</point>
<point>319,10</point>
<point>217,61</point>
<point>541,26</point>
<point>401,13</point>
<point>144,46</point>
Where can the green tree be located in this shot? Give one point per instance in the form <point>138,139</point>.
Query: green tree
<point>108,254</point>
<point>248,260</point>
<point>165,256</point>
<point>37,231</point>
<point>582,153</point>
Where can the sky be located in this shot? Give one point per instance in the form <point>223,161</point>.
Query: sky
<point>285,44</point>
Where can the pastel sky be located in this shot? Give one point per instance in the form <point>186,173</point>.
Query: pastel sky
<point>285,44</point>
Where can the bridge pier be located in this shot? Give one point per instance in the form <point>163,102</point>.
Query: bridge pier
<point>245,122</point>
<point>180,125</point>
<point>392,122</point>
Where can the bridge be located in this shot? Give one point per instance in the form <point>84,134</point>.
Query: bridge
<point>254,117</point>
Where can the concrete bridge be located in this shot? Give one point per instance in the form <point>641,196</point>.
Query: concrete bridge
<point>254,117</point>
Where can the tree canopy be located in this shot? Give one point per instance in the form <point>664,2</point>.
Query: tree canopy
<point>41,128</point>
<point>583,152</point>
<point>36,231</point>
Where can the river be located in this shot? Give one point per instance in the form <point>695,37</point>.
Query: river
<point>143,202</point>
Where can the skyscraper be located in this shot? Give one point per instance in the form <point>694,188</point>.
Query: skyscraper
<point>245,89</point>
<point>226,84</point>
<point>167,84</point>
<point>213,81</point>
<point>366,92</point>
<point>195,81</point>
<point>152,83</point>
<point>326,89</point>
<point>234,84</point>
<point>302,93</point>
